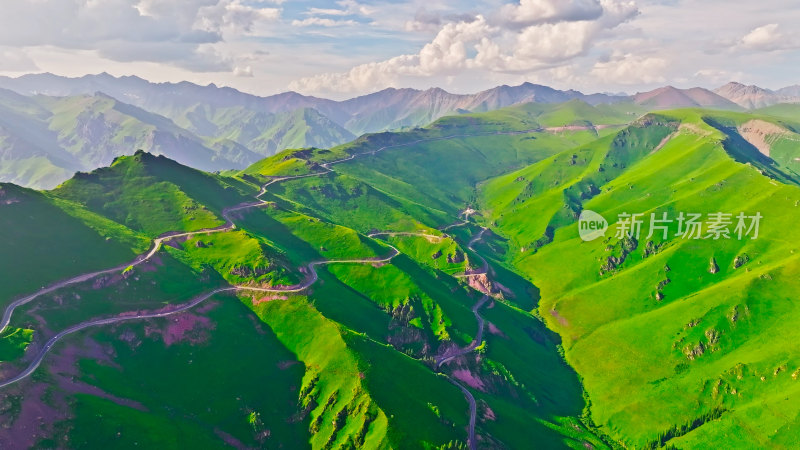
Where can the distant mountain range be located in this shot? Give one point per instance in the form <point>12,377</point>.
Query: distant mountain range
<point>192,106</point>
<point>670,97</point>
<point>752,97</point>
<point>52,126</point>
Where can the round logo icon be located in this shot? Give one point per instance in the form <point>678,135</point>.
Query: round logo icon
<point>591,225</point>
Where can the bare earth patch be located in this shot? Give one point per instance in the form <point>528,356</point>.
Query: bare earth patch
<point>465,376</point>
<point>761,134</point>
<point>560,319</point>
<point>269,298</point>
<point>43,405</point>
<point>186,327</point>
<point>33,422</point>
<point>481,283</point>
<point>693,129</point>
<point>496,331</point>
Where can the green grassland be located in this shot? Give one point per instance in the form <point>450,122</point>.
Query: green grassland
<point>238,380</point>
<point>350,202</point>
<point>237,256</point>
<point>649,346</point>
<point>153,194</point>
<point>13,342</point>
<point>434,252</point>
<point>337,387</point>
<point>163,281</point>
<point>284,163</point>
<point>46,240</point>
<point>663,346</point>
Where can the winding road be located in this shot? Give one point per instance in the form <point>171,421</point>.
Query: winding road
<point>430,237</point>
<point>229,225</point>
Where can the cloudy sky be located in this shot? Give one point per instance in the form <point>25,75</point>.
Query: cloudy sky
<point>343,48</point>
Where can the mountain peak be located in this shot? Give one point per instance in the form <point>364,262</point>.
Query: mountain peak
<point>751,96</point>
<point>669,97</point>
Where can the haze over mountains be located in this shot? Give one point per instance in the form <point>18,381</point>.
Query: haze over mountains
<point>751,97</point>
<point>53,126</point>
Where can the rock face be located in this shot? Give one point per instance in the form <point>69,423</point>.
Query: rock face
<point>741,260</point>
<point>456,258</point>
<point>481,283</point>
<point>753,97</point>
<point>713,267</point>
<point>760,134</point>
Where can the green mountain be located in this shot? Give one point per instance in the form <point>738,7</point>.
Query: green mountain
<point>90,120</point>
<point>29,152</point>
<point>689,329</point>
<point>46,139</point>
<point>263,133</point>
<point>153,194</point>
<point>418,289</point>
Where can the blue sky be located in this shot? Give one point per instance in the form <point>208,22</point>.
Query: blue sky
<point>344,48</point>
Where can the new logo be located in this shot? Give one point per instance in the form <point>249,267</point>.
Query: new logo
<point>591,225</point>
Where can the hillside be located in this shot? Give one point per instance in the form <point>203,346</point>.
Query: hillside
<point>29,151</point>
<point>267,134</point>
<point>33,254</point>
<point>47,139</point>
<point>389,290</point>
<point>153,194</point>
<point>651,317</point>
<point>354,357</point>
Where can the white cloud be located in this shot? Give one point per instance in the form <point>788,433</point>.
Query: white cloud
<point>346,8</point>
<point>481,44</point>
<point>447,53</point>
<point>630,69</point>
<point>15,60</point>
<point>529,12</point>
<point>231,16</point>
<point>243,71</point>
<point>768,38</point>
<point>322,22</point>
<point>167,32</point>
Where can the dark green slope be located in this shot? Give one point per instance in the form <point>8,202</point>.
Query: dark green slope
<point>46,239</point>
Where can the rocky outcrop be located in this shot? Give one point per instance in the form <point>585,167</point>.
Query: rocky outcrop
<point>481,283</point>
<point>713,267</point>
<point>741,260</point>
<point>761,134</point>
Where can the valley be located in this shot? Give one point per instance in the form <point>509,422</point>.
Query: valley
<point>424,288</point>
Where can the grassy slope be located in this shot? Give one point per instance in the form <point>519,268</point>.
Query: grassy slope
<point>631,349</point>
<point>427,181</point>
<point>437,314</point>
<point>526,205</point>
<point>261,377</point>
<point>42,256</point>
<point>359,389</point>
<point>153,194</point>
